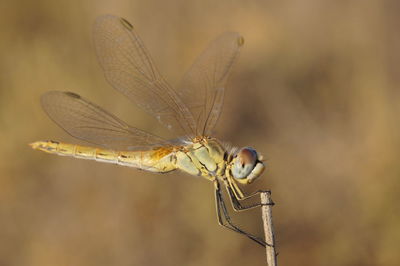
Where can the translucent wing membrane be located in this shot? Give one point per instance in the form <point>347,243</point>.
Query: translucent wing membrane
<point>89,122</point>
<point>129,69</point>
<point>203,86</point>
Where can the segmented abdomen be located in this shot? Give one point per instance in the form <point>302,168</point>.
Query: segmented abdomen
<point>156,160</point>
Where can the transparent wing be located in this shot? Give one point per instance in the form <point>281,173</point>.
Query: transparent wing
<point>89,122</point>
<point>203,86</point>
<point>129,69</point>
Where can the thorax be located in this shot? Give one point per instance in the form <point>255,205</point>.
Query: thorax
<point>203,157</point>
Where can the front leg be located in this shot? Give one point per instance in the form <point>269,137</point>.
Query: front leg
<point>237,197</point>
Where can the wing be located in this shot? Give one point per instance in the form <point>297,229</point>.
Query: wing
<point>129,68</point>
<point>203,86</point>
<point>89,122</point>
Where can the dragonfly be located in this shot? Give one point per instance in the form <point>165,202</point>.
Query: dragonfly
<point>191,109</point>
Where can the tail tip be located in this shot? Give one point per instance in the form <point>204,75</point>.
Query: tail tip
<point>35,145</point>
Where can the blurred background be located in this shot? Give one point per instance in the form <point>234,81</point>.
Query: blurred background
<point>315,90</point>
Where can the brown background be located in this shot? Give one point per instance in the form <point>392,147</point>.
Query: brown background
<point>315,90</point>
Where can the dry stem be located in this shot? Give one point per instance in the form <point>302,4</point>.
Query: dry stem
<point>268,229</point>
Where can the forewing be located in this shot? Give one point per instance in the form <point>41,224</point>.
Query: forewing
<point>203,86</point>
<point>129,69</point>
<point>89,122</point>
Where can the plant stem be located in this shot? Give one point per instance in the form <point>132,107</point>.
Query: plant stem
<point>268,228</point>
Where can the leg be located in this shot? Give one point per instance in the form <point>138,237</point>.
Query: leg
<point>237,202</point>
<point>237,196</point>
<point>222,213</point>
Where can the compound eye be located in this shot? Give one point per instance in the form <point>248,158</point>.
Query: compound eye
<point>244,162</point>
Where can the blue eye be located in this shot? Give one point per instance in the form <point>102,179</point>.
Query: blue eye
<point>244,162</point>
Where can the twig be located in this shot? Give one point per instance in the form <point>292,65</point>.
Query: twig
<point>268,229</point>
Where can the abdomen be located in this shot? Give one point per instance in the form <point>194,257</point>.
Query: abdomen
<point>160,159</point>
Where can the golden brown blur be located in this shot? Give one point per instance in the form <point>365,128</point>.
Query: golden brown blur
<point>315,90</point>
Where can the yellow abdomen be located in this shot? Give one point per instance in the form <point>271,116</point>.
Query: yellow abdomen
<point>160,159</point>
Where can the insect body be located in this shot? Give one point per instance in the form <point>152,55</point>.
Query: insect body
<point>129,69</point>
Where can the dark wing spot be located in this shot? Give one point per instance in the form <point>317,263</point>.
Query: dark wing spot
<point>73,95</point>
<point>240,41</point>
<point>126,24</point>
